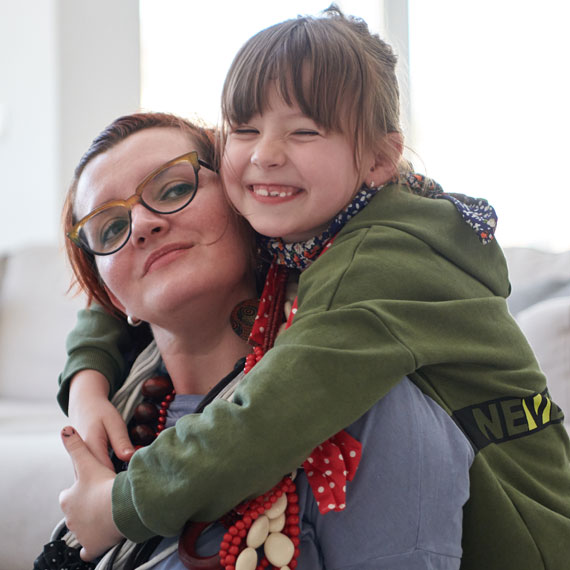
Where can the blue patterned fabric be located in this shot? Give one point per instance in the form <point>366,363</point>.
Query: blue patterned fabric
<point>476,212</point>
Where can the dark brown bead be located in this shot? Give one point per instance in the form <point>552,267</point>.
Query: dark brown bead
<point>146,413</point>
<point>142,434</point>
<point>157,388</point>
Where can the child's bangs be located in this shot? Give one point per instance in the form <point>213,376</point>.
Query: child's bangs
<point>305,66</point>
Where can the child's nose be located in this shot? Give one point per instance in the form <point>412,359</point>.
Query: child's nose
<point>268,153</point>
<point>146,224</point>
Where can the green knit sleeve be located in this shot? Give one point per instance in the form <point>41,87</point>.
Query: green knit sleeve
<point>299,395</point>
<point>100,341</point>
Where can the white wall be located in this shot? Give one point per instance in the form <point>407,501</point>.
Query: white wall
<point>67,68</point>
<point>490,106</point>
<point>180,74</point>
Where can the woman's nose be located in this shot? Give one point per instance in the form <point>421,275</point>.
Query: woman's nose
<point>268,153</point>
<point>146,224</point>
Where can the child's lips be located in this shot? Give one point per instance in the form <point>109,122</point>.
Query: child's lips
<point>274,190</point>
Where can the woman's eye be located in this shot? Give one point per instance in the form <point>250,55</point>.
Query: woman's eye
<point>176,192</point>
<point>113,230</point>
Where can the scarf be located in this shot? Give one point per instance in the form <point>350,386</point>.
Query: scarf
<point>476,212</point>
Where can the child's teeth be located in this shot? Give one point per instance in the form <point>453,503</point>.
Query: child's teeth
<point>261,191</point>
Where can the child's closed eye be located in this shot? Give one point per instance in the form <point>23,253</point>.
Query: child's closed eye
<point>244,131</point>
<point>306,133</point>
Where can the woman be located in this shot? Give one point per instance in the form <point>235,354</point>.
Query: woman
<point>176,271</point>
<point>156,248</point>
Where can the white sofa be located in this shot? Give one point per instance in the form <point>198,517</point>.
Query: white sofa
<point>35,316</point>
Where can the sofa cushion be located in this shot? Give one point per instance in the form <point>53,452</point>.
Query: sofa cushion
<point>547,328</point>
<point>536,276</point>
<point>35,317</point>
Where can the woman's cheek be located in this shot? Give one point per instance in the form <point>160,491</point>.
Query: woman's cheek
<point>109,270</point>
<point>216,215</point>
<point>102,264</point>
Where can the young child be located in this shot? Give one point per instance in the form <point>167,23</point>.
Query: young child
<point>413,285</point>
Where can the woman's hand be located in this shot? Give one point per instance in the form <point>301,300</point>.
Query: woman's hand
<point>96,419</point>
<point>87,504</point>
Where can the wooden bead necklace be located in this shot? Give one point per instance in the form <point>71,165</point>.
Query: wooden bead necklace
<point>148,419</point>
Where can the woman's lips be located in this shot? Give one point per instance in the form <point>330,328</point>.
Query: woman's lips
<point>163,256</point>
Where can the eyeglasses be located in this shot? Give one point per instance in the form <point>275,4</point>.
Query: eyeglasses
<point>166,190</point>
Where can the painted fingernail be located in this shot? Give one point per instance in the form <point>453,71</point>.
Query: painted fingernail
<point>67,431</point>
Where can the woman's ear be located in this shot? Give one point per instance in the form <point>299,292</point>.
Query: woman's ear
<point>384,163</point>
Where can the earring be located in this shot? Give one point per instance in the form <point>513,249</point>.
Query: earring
<point>133,321</point>
<point>243,317</point>
<point>372,183</point>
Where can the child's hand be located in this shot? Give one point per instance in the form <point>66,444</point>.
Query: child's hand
<point>96,419</point>
<point>87,504</point>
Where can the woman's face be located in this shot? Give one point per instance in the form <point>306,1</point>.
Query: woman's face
<point>193,255</point>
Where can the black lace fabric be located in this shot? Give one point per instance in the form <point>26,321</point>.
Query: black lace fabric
<point>57,555</point>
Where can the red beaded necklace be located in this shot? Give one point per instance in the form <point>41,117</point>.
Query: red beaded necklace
<point>233,551</point>
<point>252,524</point>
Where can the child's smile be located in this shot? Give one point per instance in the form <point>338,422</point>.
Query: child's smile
<point>287,175</point>
<point>273,191</point>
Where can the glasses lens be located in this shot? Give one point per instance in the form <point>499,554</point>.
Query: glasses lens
<point>107,231</point>
<point>171,189</point>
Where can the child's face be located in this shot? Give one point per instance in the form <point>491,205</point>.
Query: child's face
<point>285,174</point>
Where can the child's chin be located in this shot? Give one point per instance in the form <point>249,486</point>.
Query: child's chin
<point>300,237</point>
<point>277,229</point>
<point>266,228</point>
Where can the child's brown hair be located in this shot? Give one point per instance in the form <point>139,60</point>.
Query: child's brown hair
<point>341,76</point>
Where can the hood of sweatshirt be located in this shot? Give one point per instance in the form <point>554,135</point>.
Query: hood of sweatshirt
<point>452,227</point>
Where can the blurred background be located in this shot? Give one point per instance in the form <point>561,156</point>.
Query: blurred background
<point>485,93</point>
